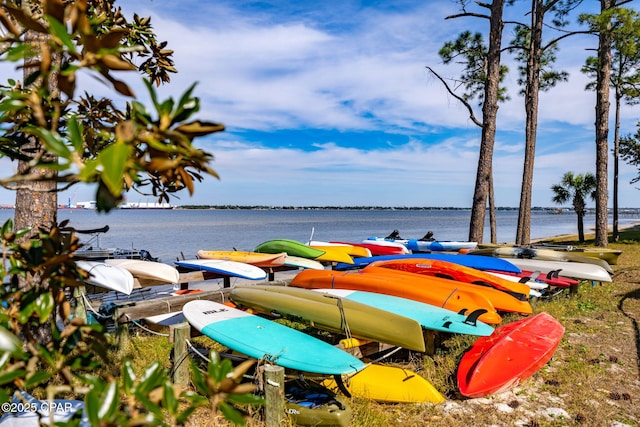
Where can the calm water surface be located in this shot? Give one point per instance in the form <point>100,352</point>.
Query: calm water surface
<point>171,234</point>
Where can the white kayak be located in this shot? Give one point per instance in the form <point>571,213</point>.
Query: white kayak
<point>108,276</point>
<point>148,273</point>
<point>576,270</point>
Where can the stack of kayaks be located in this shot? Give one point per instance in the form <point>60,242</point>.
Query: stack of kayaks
<point>440,295</point>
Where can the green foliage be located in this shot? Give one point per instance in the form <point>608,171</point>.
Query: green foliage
<point>84,139</point>
<point>630,150</point>
<point>470,50</point>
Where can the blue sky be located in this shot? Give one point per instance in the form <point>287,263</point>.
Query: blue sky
<point>329,103</point>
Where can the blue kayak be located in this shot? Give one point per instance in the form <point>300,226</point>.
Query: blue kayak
<point>479,262</point>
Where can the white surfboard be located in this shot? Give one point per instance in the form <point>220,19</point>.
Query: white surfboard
<point>108,276</point>
<point>224,268</point>
<point>148,273</point>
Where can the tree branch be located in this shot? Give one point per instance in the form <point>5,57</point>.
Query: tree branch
<point>458,97</point>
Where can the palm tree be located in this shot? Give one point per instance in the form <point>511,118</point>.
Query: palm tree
<point>576,188</point>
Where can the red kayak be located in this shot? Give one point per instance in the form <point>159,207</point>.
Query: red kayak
<point>378,249</point>
<point>552,278</point>
<point>511,354</point>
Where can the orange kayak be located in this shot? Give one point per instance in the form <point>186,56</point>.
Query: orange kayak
<point>502,301</point>
<point>453,271</point>
<point>451,298</point>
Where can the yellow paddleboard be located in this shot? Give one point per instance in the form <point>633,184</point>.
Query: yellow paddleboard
<point>391,384</point>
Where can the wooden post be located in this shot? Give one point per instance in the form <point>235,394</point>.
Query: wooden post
<point>429,341</point>
<point>180,356</point>
<point>81,306</point>
<point>274,395</point>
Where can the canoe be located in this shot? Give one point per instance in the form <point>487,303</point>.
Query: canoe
<point>513,353</point>
<point>416,245</point>
<point>457,300</point>
<point>224,268</point>
<point>479,262</point>
<point>542,254</point>
<point>390,384</point>
<point>576,270</point>
<point>291,247</point>
<point>608,254</point>
<point>254,258</point>
<point>352,250</point>
<point>148,273</point>
<point>332,314</point>
<point>376,249</point>
<point>108,276</point>
<point>309,403</point>
<point>452,271</point>
<point>429,316</point>
<point>501,301</point>
<point>263,339</point>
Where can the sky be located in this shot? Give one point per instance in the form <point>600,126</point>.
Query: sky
<point>331,104</point>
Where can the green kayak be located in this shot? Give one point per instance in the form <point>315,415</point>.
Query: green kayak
<point>291,247</point>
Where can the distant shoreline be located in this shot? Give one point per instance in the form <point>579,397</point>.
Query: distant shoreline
<point>549,209</point>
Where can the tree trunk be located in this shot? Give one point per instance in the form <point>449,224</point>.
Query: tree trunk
<point>581,227</point>
<point>36,201</point>
<point>532,90</point>
<point>492,212</point>
<point>616,156</point>
<point>489,114</point>
<point>602,129</point>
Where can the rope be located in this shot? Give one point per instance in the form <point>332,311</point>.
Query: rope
<point>205,358</point>
<point>141,326</point>
<point>87,304</point>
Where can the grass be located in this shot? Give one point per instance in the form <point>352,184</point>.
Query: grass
<point>592,380</point>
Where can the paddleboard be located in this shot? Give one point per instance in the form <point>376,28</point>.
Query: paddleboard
<point>513,353</point>
<point>107,276</point>
<point>331,313</point>
<point>261,338</point>
<point>224,268</point>
<point>389,384</point>
<point>148,273</point>
<point>429,316</point>
<point>541,254</point>
<point>576,270</point>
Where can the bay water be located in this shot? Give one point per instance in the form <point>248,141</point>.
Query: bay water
<point>180,233</point>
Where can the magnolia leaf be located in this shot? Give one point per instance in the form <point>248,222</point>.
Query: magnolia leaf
<point>9,342</point>
<point>199,128</point>
<point>114,160</point>
<point>114,62</point>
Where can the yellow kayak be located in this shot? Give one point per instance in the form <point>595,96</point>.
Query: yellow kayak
<point>354,251</point>
<point>385,383</point>
<point>334,254</point>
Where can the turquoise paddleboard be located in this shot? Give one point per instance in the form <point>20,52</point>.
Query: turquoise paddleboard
<point>429,316</point>
<point>261,338</point>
